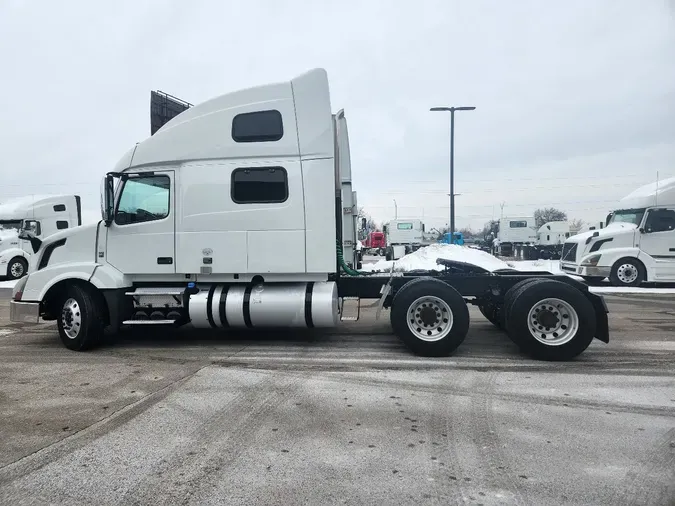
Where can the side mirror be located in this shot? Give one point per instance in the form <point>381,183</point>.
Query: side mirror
<point>384,229</point>
<point>35,243</point>
<point>363,223</point>
<point>107,199</point>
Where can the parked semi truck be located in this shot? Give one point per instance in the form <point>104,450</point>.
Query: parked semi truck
<point>375,243</point>
<point>549,242</point>
<point>43,216</point>
<point>403,237</point>
<point>636,245</point>
<point>512,233</point>
<point>188,217</point>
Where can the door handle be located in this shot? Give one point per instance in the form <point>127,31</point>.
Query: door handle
<point>164,260</point>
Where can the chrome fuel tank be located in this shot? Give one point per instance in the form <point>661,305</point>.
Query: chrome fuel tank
<point>313,304</point>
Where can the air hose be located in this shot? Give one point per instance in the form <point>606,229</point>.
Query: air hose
<point>343,264</point>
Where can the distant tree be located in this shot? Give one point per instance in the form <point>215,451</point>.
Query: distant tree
<point>468,232</point>
<point>371,225</point>
<point>490,227</point>
<point>575,225</point>
<point>544,215</point>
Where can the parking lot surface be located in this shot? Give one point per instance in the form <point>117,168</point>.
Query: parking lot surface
<point>346,416</point>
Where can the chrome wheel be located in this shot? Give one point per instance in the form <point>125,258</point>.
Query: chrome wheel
<point>430,318</point>
<point>553,322</point>
<point>16,270</point>
<point>627,273</point>
<point>71,318</point>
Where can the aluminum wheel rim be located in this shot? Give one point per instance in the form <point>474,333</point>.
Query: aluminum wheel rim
<point>627,273</point>
<point>16,269</point>
<point>429,318</point>
<point>553,322</point>
<point>71,318</point>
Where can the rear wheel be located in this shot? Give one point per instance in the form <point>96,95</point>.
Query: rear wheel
<point>551,320</point>
<point>510,296</point>
<point>430,317</point>
<point>492,314</point>
<point>17,268</point>
<point>80,320</point>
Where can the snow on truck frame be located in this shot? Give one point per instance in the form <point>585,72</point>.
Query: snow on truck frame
<point>230,216</point>
<point>43,215</point>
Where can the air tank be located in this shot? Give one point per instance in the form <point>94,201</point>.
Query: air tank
<point>313,304</point>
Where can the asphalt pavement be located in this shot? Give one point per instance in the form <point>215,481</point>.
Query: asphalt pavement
<point>346,416</point>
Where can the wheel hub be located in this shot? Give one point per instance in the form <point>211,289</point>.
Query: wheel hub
<point>71,319</point>
<point>553,321</point>
<point>16,269</point>
<point>430,318</point>
<point>627,273</point>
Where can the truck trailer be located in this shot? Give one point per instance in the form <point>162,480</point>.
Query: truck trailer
<point>230,216</point>
<point>403,237</point>
<point>43,215</point>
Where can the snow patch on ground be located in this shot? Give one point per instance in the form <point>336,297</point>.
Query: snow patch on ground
<point>8,284</point>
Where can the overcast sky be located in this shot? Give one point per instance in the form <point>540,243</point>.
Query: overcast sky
<point>575,100</point>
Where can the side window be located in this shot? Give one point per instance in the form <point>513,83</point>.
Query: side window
<point>660,220</point>
<point>260,126</point>
<point>404,226</point>
<point>259,185</point>
<point>143,198</point>
<point>61,224</point>
<point>59,208</point>
<point>33,226</point>
<point>518,224</point>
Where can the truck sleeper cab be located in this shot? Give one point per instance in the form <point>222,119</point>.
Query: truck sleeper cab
<point>637,245</point>
<point>231,216</point>
<point>42,216</point>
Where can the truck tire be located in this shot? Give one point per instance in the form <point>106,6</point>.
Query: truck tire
<point>551,320</point>
<point>492,314</point>
<point>627,272</point>
<point>430,317</point>
<point>17,268</point>
<point>79,320</point>
<point>510,296</point>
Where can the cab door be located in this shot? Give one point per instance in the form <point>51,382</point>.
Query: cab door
<point>657,239</point>
<point>141,237</point>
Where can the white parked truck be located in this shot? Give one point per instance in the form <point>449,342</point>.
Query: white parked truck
<point>513,233</point>
<point>43,216</point>
<point>403,237</point>
<point>636,245</point>
<point>230,215</point>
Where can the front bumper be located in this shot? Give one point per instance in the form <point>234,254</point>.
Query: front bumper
<point>24,312</point>
<point>585,271</point>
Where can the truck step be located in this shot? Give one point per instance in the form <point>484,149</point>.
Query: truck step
<point>156,291</point>
<point>148,322</point>
<point>344,317</point>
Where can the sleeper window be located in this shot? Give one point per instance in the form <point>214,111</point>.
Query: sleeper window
<point>260,126</point>
<point>259,185</point>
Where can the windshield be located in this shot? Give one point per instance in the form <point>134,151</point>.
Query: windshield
<point>10,225</point>
<point>633,216</point>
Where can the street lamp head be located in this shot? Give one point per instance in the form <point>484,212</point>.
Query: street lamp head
<point>451,109</point>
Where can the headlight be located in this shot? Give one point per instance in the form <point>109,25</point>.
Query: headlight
<point>591,260</point>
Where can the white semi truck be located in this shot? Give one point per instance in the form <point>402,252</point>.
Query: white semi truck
<point>636,245</point>
<point>230,215</point>
<point>403,237</point>
<point>513,233</point>
<point>43,216</point>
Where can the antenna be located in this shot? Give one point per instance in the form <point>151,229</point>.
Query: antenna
<point>502,206</point>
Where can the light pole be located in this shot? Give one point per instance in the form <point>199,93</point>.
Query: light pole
<point>395,210</point>
<point>452,159</point>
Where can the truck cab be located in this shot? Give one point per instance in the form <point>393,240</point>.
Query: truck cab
<point>636,245</point>
<point>42,216</point>
<point>403,237</point>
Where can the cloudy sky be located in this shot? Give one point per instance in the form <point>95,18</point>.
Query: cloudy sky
<point>575,100</point>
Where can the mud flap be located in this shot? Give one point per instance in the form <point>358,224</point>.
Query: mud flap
<point>602,323</point>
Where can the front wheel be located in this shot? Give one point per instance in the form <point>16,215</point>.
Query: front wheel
<point>430,317</point>
<point>551,320</point>
<point>80,320</point>
<point>17,268</point>
<point>627,272</point>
